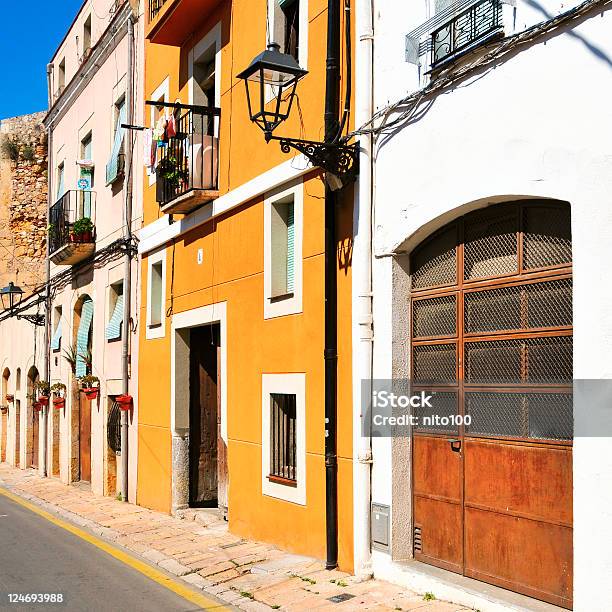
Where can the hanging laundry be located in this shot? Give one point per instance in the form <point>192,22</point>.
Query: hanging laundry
<point>171,127</point>
<point>148,153</point>
<point>159,129</point>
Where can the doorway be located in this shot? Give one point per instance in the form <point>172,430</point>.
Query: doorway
<point>207,457</point>
<point>491,335</point>
<point>32,454</point>
<point>17,433</point>
<point>84,438</point>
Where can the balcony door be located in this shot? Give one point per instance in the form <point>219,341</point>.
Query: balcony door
<point>491,333</point>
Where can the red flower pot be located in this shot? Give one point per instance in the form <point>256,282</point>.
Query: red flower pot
<point>59,403</point>
<point>10,397</point>
<point>37,406</point>
<point>44,400</point>
<point>125,402</point>
<point>4,408</point>
<point>91,393</point>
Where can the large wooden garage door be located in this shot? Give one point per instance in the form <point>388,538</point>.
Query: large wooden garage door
<point>491,332</point>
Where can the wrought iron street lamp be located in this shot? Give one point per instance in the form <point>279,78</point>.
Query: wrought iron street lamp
<point>271,82</point>
<point>11,297</point>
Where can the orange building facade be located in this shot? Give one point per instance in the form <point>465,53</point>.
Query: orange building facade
<point>231,370</point>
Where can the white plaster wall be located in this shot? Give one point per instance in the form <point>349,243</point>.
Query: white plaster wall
<point>538,125</point>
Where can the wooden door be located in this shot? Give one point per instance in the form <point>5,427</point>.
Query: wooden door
<point>4,436</point>
<point>203,417</point>
<point>222,475</point>
<point>35,430</point>
<point>17,432</point>
<point>491,334</point>
<point>84,438</point>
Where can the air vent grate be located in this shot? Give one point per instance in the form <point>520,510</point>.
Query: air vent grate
<point>418,543</point>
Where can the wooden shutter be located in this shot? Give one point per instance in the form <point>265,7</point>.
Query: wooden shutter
<point>83,336</point>
<point>113,329</point>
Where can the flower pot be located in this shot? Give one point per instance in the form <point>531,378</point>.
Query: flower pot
<point>83,237</point>
<point>10,398</point>
<point>59,403</point>
<point>37,406</point>
<point>4,409</point>
<point>44,400</point>
<point>125,402</point>
<point>91,393</point>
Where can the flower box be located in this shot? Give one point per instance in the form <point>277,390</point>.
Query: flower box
<point>44,400</point>
<point>59,403</point>
<point>125,402</point>
<point>91,393</point>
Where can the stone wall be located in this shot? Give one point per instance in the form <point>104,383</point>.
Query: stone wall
<point>23,201</point>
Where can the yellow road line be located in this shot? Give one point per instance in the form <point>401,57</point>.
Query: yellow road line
<point>144,568</point>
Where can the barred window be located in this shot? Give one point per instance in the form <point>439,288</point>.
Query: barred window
<point>283,438</point>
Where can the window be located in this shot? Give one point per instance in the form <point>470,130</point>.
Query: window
<point>156,295</point>
<point>115,166</point>
<point>83,341</point>
<point>114,327</point>
<point>86,144</point>
<point>60,181</point>
<point>283,229</point>
<point>56,339</point>
<point>61,77</point>
<point>282,439</point>
<point>87,37</point>
<point>284,436</point>
<point>288,25</point>
<point>283,247</point>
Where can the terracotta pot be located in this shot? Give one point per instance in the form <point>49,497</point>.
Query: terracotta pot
<point>37,406</point>
<point>10,397</point>
<point>59,402</point>
<point>125,402</point>
<point>83,237</point>
<point>44,400</point>
<point>91,393</point>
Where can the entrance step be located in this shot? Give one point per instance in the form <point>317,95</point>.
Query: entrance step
<point>458,589</point>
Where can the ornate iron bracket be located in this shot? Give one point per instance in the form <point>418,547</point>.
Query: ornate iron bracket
<point>35,319</point>
<point>338,159</point>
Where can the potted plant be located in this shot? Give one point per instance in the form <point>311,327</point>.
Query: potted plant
<point>125,401</point>
<point>44,390</point>
<point>10,398</point>
<point>90,385</point>
<point>170,177</point>
<point>37,406</point>
<point>59,391</point>
<point>70,355</point>
<point>82,230</point>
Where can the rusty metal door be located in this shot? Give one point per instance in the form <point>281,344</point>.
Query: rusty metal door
<point>491,333</point>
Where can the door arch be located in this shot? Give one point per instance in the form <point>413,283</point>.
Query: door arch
<point>491,333</point>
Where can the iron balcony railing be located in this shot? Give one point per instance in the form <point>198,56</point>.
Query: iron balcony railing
<point>155,6</point>
<point>466,29</point>
<point>189,160</point>
<point>73,206</point>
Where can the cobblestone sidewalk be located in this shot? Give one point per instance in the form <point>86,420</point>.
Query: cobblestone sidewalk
<point>200,550</point>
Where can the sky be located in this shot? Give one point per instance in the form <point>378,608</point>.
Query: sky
<point>32,32</point>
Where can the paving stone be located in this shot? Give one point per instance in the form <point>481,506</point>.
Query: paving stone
<point>197,581</point>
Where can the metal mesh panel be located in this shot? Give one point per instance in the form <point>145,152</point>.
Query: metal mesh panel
<point>434,317</point>
<point>547,239</point>
<point>444,405</point>
<point>435,263</point>
<point>434,363</point>
<point>490,245</point>
<point>497,361</point>
<point>544,416</point>
<point>532,360</point>
<point>547,304</point>
<point>549,360</point>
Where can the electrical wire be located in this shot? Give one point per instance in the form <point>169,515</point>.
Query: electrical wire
<point>449,77</point>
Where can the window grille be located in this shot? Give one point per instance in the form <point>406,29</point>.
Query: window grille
<point>283,447</point>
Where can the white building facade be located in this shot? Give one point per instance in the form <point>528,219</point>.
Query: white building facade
<point>95,177</point>
<point>491,232</point>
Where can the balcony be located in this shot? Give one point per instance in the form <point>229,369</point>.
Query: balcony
<point>71,231</point>
<point>187,171</point>
<point>171,22</point>
<point>472,27</point>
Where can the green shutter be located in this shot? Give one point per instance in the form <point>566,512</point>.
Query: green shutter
<point>113,329</point>
<point>113,168</point>
<point>57,336</point>
<point>290,248</point>
<point>83,336</point>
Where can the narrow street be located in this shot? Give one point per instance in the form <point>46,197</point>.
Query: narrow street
<point>40,557</point>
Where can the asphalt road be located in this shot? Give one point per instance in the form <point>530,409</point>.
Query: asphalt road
<point>37,556</point>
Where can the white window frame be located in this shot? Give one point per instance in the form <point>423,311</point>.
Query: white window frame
<point>292,304</point>
<point>303,41</point>
<point>155,330</point>
<point>293,384</point>
<point>161,93</point>
<point>112,297</point>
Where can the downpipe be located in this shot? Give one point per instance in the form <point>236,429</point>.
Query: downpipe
<point>127,275</point>
<point>363,336</point>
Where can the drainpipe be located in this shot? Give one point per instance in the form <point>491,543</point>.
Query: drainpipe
<point>127,276</point>
<point>362,296</point>
<point>332,123</point>
<point>47,337</point>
